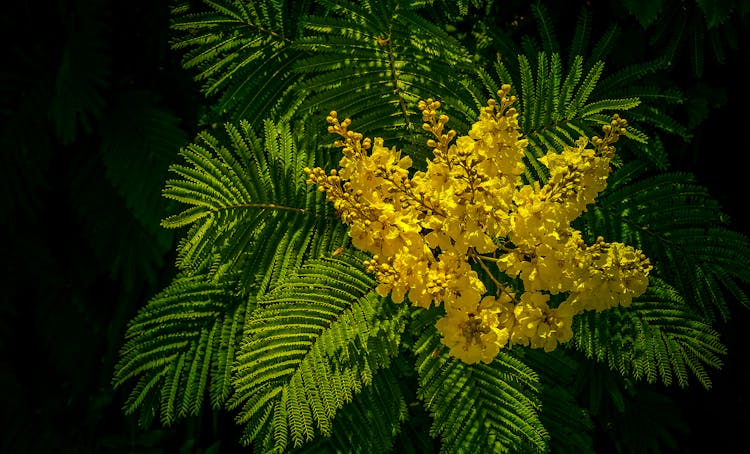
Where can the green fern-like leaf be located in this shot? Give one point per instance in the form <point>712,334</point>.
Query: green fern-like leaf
<point>569,425</point>
<point>242,54</point>
<point>249,205</point>
<point>677,224</point>
<point>658,337</point>
<point>139,142</point>
<point>316,341</point>
<point>82,75</point>
<point>373,62</point>
<point>478,408</point>
<point>547,30</point>
<point>181,347</point>
<point>228,191</point>
<point>370,422</point>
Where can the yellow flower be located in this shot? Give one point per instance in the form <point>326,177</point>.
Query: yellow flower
<point>470,207</point>
<point>472,333</point>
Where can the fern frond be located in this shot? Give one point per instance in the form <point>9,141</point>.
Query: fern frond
<point>661,120</point>
<point>604,46</point>
<point>478,408</point>
<point>609,105</point>
<point>181,346</point>
<point>317,340</point>
<point>83,73</point>
<point>248,204</point>
<point>657,337</point>
<point>139,142</point>
<point>581,37</point>
<point>546,28</point>
<point>242,53</point>
<point>369,423</point>
<point>373,62</point>
<point>569,425</point>
<point>241,238</point>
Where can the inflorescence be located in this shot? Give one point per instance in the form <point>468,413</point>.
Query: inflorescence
<point>431,233</point>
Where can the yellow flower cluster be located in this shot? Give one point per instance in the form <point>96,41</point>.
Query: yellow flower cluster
<point>425,229</point>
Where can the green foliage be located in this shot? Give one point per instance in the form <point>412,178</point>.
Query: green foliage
<point>674,220</point>
<point>82,74</point>
<point>139,142</point>
<point>480,407</point>
<point>374,62</point>
<point>243,55</point>
<point>271,315</point>
<point>369,421</point>
<point>250,209</point>
<point>657,337</point>
<point>316,340</point>
<point>181,346</point>
<point>631,416</point>
<point>694,28</point>
<point>583,87</point>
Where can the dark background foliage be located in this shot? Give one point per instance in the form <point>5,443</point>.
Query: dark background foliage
<point>94,107</point>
